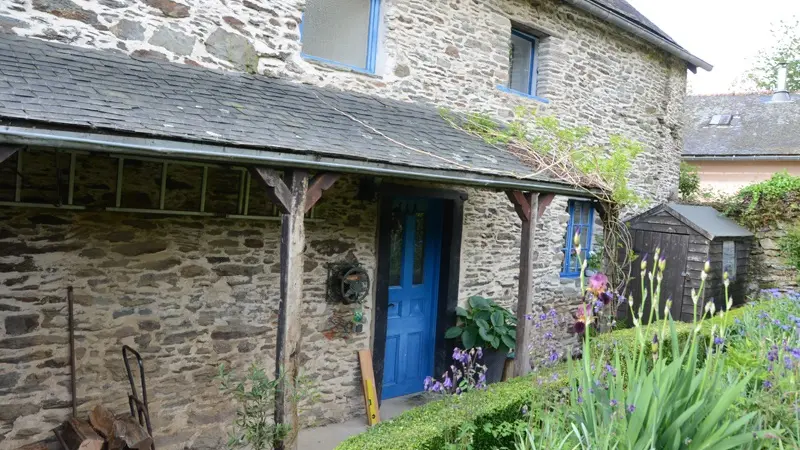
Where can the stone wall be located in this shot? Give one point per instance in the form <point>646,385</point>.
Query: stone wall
<point>768,268</point>
<point>188,293</point>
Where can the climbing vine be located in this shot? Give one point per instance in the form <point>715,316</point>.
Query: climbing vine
<point>773,200</point>
<point>570,155</point>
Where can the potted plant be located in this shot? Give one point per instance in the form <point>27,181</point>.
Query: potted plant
<point>489,326</point>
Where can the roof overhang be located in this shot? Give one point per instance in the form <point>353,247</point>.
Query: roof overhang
<point>640,31</point>
<point>170,148</point>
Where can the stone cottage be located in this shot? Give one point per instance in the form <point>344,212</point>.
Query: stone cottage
<point>210,176</point>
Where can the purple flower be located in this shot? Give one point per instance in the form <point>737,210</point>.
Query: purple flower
<point>598,283</point>
<point>548,335</point>
<point>579,327</point>
<point>448,383</point>
<point>528,316</point>
<point>553,356</point>
<point>479,353</point>
<point>718,340</point>
<point>552,314</point>
<point>613,403</point>
<point>611,370</point>
<point>767,384</point>
<point>580,399</point>
<point>631,408</point>
<point>427,383</point>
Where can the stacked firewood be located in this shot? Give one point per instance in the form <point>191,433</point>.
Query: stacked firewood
<point>105,431</point>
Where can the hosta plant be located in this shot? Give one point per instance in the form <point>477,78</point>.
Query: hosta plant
<point>485,324</point>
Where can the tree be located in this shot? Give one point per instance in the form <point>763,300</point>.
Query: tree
<point>786,49</point>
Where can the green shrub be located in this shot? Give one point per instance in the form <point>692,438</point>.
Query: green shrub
<point>688,180</point>
<point>430,427</point>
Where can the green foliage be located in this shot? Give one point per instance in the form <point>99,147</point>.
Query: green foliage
<point>785,49</point>
<point>254,395</point>
<point>432,426</point>
<point>563,151</point>
<point>767,202</point>
<point>765,342</point>
<point>790,247</point>
<point>688,181</point>
<point>486,324</point>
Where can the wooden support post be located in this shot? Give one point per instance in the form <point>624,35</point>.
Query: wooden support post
<point>293,239</point>
<point>530,207</point>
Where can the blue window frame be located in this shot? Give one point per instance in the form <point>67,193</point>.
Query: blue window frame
<point>581,219</point>
<point>523,64</point>
<point>342,33</point>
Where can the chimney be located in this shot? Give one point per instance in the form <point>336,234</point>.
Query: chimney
<point>781,94</point>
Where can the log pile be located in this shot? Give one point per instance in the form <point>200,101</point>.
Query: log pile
<point>104,431</point>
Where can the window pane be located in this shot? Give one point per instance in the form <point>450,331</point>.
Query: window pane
<point>419,249</point>
<point>337,30</point>
<point>521,53</point>
<point>729,258</point>
<point>396,248</point>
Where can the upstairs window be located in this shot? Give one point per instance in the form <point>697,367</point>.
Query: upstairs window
<point>342,32</point>
<point>581,219</point>
<point>522,74</point>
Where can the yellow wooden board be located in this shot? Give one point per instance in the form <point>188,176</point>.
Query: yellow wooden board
<point>368,384</point>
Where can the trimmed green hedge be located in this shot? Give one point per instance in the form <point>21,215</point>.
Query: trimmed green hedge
<point>431,426</point>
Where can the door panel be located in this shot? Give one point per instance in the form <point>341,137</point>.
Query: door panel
<point>415,246</point>
<point>674,248</point>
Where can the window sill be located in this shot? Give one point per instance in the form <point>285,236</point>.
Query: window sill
<point>508,90</point>
<point>333,65</point>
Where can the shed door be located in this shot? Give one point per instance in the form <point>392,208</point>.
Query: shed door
<point>674,248</point>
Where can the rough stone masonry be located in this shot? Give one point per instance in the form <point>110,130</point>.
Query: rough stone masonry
<point>194,292</point>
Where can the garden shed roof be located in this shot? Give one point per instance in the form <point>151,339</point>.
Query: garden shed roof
<point>55,93</point>
<point>707,221</point>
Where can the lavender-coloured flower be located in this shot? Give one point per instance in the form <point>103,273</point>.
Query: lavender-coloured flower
<point>613,402</point>
<point>427,383</point>
<point>718,340</point>
<point>579,327</point>
<point>448,383</point>
<point>631,408</point>
<point>767,384</point>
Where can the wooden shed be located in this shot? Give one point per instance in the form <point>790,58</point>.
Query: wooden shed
<point>688,236</point>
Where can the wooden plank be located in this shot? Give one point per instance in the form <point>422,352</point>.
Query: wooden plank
<point>521,204</point>
<point>320,183</point>
<point>277,191</point>
<point>368,387</point>
<point>522,363</point>
<point>6,152</point>
<point>287,347</point>
<point>544,202</point>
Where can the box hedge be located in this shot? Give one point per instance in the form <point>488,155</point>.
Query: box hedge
<point>431,426</point>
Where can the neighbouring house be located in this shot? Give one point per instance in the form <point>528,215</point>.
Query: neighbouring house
<point>736,140</point>
<point>156,158</point>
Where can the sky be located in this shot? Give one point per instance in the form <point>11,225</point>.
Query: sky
<point>728,34</point>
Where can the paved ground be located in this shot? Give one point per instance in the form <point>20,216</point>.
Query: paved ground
<point>329,436</point>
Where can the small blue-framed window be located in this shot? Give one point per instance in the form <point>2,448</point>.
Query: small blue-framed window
<point>342,32</point>
<point>523,67</point>
<point>581,219</point>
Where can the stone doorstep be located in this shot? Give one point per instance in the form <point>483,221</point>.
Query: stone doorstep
<point>329,436</point>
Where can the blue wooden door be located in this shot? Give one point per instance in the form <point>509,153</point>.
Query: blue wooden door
<point>415,249</point>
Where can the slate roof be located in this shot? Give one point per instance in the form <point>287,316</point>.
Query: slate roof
<point>758,128</point>
<point>52,84</point>
<point>708,219</point>
<point>625,9</point>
